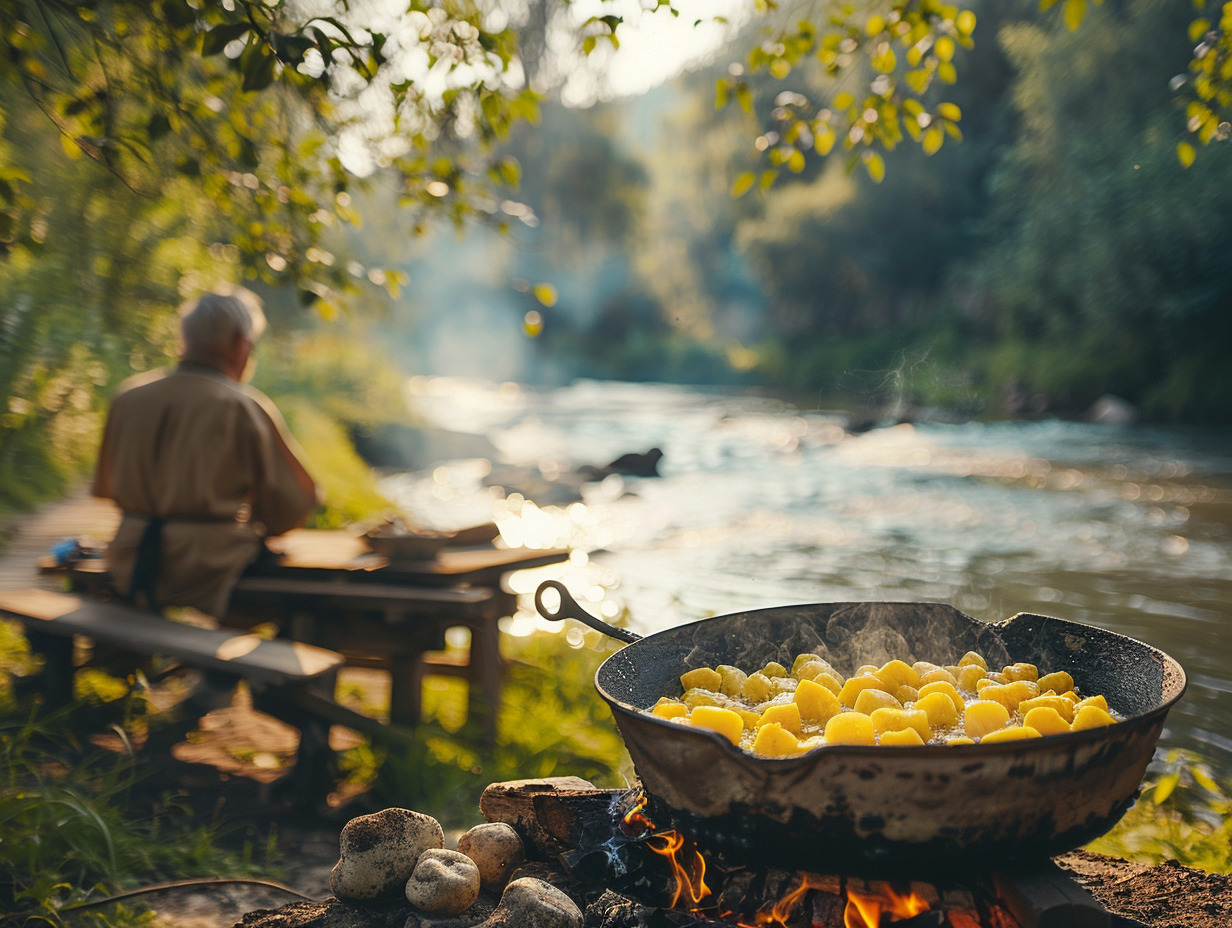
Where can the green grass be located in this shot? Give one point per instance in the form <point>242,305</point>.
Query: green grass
<point>79,823</point>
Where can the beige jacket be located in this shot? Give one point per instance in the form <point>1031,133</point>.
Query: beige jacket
<point>213,458</point>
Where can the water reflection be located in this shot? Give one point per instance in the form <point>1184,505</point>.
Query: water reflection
<point>763,504</point>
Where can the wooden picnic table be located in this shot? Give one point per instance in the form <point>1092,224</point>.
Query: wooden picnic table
<point>325,588</point>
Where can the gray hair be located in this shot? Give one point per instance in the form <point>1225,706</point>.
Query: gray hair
<point>209,324</point>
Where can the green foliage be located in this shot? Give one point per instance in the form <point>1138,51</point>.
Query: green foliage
<point>1184,814</point>
<point>77,823</point>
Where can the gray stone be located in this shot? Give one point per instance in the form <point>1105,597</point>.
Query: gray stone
<point>531,903</point>
<point>496,850</point>
<point>379,852</point>
<point>443,882</point>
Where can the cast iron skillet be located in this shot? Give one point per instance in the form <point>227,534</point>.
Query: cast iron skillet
<point>896,809</point>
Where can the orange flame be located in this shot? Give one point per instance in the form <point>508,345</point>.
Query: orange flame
<point>779,913</point>
<point>690,874</point>
<point>864,910</point>
<point>634,821</point>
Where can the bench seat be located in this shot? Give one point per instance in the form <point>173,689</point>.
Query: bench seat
<point>277,663</point>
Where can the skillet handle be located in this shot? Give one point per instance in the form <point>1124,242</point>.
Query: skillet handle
<point>569,609</point>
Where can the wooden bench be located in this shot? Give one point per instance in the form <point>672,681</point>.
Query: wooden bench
<point>291,680</point>
<point>334,612</point>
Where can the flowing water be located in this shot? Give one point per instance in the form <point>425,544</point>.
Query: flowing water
<point>760,503</point>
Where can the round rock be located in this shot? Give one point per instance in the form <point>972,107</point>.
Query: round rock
<point>532,903</point>
<point>378,853</point>
<point>443,882</point>
<point>496,850</point>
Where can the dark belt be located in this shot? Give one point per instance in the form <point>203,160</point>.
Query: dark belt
<point>148,562</point>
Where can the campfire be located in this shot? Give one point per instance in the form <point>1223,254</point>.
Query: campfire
<point>651,875</point>
<point>561,853</point>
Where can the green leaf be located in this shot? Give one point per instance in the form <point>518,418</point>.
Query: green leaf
<point>875,165</point>
<point>743,184</point>
<point>1074,12</point>
<point>220,37</point>
<point>1203,779</point>
<point>158,126</point>
<point>1186,154</point>
<point>258,69</point>
<point>546,294</point>
<point>745,97</point>
<point>1164,788</point>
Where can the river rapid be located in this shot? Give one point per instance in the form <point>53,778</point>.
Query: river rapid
<point>761,503</point>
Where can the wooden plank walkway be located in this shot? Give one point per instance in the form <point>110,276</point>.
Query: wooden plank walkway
<point>79,516</point>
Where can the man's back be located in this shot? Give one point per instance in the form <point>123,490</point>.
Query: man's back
<point>212,459</point>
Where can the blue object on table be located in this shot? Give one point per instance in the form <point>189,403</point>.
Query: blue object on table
<point>66,551</point>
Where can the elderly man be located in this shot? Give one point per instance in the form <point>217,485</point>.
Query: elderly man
<point>201,464</point>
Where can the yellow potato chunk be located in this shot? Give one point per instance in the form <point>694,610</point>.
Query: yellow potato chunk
<point>1059,704</point>
<point>1021,671</point>
<point>856,685</point>
<point>1091,716</point>
<point>940,686</point>
<point>831,681</point>
<point>986,681</point>
<point>669,708</point>
<point>968,676</point>
<point>699,697</point>
<point>1046,720</point>
<point>748,716</point>
<point>1072,696</point>
<point>871,699</point>
<point>885,720</point>
<point>940,675</point>
<point>960,739</point>
<point>773,740</point>
<point>1010,694</point>
<point>850,728</point>
<point>809,671</point>
<point>901,737</point>
<point>973,659</point>
<point>731,679</point>
<point>816,702</point>
<point>998,677</point>
<point>984,716</point>
<point>786,715</point>
<point>1058,682</point>
<point>923,667</point>
<point>906,694</point>
<point>757,688</point>
<point>866,670</point>
<point>897,673</point>
<point>774,669</point>
<point>703,678</point>
<point>804,660</point>
<point>1098,701</point>
<point>1010,733</point>
<point>724,721</point>
<point>940,709</point>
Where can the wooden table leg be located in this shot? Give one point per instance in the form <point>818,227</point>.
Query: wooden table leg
<point>405,690</point>
<point>58,669</point>
<point>486,676</point>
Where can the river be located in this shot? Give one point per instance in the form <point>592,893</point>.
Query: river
<point>762,503</point>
